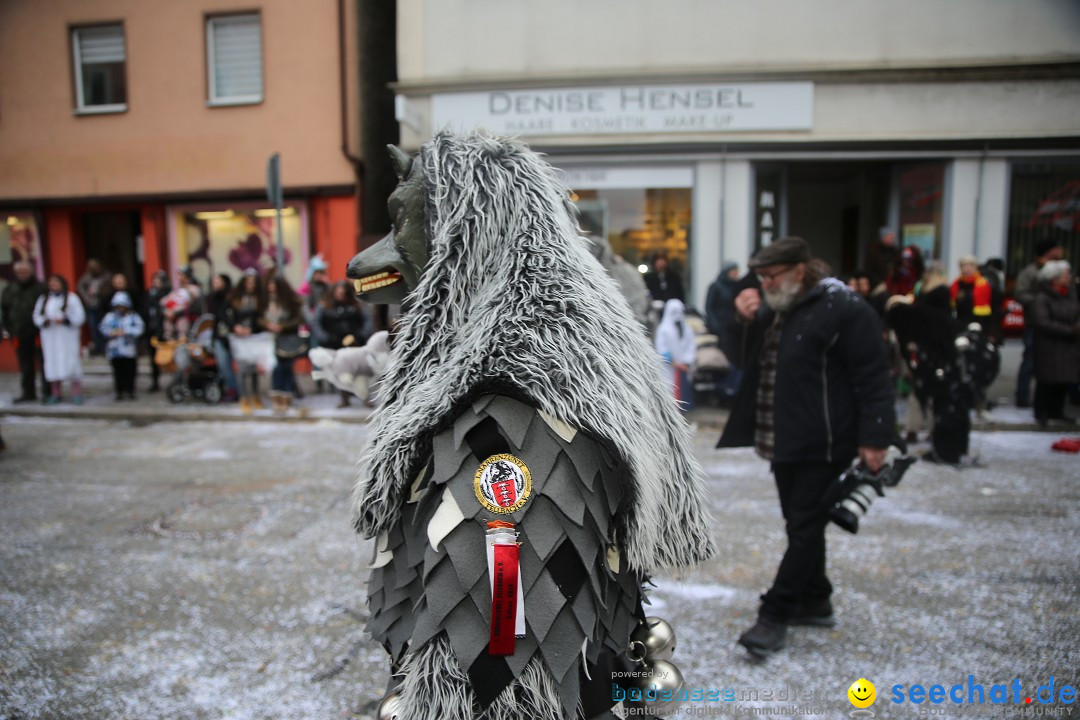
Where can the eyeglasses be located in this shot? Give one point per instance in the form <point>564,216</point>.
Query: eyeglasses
<point>762,277</point>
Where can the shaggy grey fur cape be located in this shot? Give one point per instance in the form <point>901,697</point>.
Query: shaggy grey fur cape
<point>512,300</point>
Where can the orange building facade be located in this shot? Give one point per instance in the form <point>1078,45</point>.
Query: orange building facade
<point>139,134</point>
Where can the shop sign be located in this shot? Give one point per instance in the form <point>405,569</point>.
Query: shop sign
<point>629,109</point>
<point>767,207</point>
<point>617,178</point>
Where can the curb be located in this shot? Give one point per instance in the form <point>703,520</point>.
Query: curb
<point>136,417</point>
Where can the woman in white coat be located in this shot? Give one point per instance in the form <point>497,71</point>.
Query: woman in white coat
<point>60,315</point>
<point>675,342</point>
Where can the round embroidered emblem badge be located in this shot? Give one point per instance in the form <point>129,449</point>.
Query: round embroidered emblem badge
<point>502,484</point>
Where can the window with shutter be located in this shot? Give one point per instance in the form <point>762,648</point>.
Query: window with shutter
<point>100,72</point>
<point>234,49</point>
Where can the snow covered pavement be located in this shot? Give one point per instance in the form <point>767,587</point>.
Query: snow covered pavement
<point>207,570</point>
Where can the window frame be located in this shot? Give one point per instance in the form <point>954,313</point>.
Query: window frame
<point>81,108</point>
<point>211,83</point>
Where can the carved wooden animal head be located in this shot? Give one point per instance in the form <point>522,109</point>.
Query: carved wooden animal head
<point>390,269</point>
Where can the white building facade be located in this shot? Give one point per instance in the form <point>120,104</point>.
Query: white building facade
<point>707,128</point>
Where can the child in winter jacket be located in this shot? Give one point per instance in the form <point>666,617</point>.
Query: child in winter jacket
<point>122,327</point>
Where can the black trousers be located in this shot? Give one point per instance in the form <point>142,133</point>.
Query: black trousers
<point>29,357</point>
<point>801,580</point>
<point>155,370</point>
<point>124,375</point>
<point>952,422</point>
<point>1050,400</point>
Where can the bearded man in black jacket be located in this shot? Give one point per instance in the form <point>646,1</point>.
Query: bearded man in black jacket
<point>816,394</point>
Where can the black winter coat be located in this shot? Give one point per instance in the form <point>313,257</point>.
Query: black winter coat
<point>217,304</point>
<point>17,308</point>
<point>664,287</point>
<point>720,305</point>
<point>1056,319</point>
<point>245,314</point>
<point>335,323</point>
<point>833,391</point>
<point>154,313</point>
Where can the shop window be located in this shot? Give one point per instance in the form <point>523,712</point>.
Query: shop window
<point>100,69</point>
<point>234,59</point>
<point>1044,203</point>
<point>639,223</point>
<point>19,242</point>
<point>922,204</point>
<point>230,240</point>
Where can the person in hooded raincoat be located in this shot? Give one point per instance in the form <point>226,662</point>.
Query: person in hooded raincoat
<point>674,341</point>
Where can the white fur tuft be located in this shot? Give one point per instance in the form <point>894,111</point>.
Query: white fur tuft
<point>433,687</point>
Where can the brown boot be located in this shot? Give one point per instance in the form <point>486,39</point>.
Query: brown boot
<point>279,402</point>
<point>257,403</point>
<point>245,405</point>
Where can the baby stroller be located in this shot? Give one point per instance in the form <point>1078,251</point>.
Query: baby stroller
<point>711,367</point>
<point>712,373</point>
<point>195,372</point>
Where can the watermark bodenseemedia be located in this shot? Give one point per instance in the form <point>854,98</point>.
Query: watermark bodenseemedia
<point>717,701</point>
<point>715,694</point>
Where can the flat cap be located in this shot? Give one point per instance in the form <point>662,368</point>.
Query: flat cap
<point>785,251</point>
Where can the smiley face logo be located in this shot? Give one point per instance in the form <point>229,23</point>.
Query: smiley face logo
<point>862,693</point>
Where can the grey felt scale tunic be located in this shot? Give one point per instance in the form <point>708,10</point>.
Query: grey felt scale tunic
<point>430,570</point>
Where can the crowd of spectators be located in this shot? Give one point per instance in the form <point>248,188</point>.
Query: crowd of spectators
<point>259,326</point>
<point>947,335</point>
<point>944,334</point>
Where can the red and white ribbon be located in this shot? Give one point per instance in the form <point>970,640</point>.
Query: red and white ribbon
<point>507,597</point>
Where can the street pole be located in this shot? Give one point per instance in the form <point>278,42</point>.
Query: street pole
<point>274,194</point>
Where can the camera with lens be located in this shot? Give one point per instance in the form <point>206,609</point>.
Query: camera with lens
<point>853,492</point>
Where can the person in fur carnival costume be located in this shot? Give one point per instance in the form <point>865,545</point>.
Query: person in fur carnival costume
<point>352,369</point>
<point>519,389</point>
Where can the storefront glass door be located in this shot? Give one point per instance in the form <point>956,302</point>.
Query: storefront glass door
<point>641,211</point>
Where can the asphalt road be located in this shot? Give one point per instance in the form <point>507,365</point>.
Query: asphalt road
<point>207,570</point>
